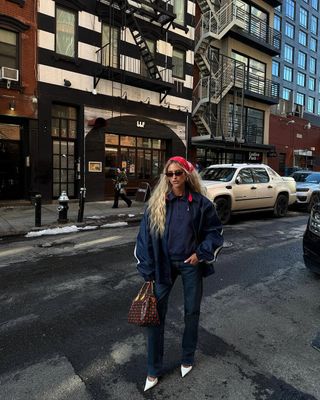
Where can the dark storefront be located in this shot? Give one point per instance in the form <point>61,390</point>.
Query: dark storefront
<point>225,153</point>
<point>15,161</point>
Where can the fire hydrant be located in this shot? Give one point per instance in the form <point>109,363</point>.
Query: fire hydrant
<point>63,207</point>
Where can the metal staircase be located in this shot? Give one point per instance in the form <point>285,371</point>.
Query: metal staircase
<point>221,78</point>
<point>143,47</point>
<point>215,24</point>
<point>160,11</point>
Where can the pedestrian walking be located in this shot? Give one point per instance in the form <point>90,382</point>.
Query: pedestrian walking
<point>120,183</point>
<point>180,234</point>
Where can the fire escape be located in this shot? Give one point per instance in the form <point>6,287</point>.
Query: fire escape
<point>215,112</point>
<point>222,78</point>
<point>133,13</point>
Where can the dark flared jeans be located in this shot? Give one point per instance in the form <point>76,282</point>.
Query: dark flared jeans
<point>192,288</point>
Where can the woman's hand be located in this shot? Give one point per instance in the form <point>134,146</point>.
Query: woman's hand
<point>193,259</point>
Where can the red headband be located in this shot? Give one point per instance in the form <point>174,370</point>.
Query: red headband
<point>186,164</point>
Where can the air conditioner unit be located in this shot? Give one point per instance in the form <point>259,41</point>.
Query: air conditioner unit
<point>10,74</point>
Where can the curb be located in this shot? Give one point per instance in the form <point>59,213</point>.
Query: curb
<point>87,222</point>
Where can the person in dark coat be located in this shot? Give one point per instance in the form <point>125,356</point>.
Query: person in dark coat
<point>119,188</point>
<point>180,234</point>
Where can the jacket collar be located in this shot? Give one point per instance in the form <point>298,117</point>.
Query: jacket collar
<point>187,196</point>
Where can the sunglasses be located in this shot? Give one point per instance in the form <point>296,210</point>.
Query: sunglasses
<point>176,173</point>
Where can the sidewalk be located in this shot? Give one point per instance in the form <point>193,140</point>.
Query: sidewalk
<point>17,220</point>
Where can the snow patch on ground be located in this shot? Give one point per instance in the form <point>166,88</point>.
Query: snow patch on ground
<point>114,224</point>
<point>59,230</point>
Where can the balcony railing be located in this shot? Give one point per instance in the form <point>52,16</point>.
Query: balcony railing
<point>234,14</point>
<point>263,87</point>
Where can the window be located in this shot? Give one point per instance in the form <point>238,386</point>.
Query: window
<point>8,49</point>
<point>255,73</point>
<point>258,21</point>
<point>310,104</point>
<point>312,84</point>
<point>315,4</point>
<point>289,30</point>
<point>288,53</point>
<point>277,23</point>
<point>254,123</point>
<point>65,32</point>
<point>179,10</point>
<point>245,176</point>
<point>143,157</point>
<point>319,107</point>
<point>110,46</point>
<point>260,175</point>
<point>64,134</point>
<point>313,44</point>
<point>300,98</point>
<point>287,73</point>
<point>290,9</point>
<point>303,17</point>
<point>313,65</point>
<point>314,25</point>
<point>301,79</point>
<point>275,68</point>
<point>178,61</point>
<point>303,38</point>
<point>302,60</point>
<point>286,93</point>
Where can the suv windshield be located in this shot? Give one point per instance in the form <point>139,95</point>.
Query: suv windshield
<point>313,178</point>
<point>218,174</point>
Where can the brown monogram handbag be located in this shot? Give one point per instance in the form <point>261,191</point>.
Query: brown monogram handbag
<point>143,310</point>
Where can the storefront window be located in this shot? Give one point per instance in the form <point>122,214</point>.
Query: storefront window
<point>111,139</point>
<point>64,134</point>
<point>143,142</point>
<point>143,158</point>
<point>129,141</point>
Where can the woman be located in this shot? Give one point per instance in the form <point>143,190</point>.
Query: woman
<point>180,234</point>
<point>119,188</point>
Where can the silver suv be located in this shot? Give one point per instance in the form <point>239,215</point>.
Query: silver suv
<point>308,192</point>
<point>236,188</point>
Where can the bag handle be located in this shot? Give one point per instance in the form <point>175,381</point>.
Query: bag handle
<point>147,288</point>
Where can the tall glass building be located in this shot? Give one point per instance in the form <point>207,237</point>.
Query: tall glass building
<point>297,68</point>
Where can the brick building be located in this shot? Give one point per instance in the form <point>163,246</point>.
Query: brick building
<point>297,144</point>
<point>18,97</point>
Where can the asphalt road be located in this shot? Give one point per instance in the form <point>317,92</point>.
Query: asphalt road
<point>64,335</point>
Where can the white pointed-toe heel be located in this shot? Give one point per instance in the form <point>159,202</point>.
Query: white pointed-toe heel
<point>150,384</point>
<point>185,370</point>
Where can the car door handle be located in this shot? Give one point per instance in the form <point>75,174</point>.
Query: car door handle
<point>253,187</point>
<point>270,187</point>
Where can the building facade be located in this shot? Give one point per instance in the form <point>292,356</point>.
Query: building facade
<point>18,98</point>
<point>297,68</point>
<point>233,89</point>
<point>115,83</point>
<point>296,144</point>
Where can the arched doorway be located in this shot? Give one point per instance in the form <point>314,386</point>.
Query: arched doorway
<point>139,144</point>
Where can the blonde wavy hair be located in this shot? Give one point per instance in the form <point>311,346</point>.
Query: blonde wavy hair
<point>157,201</point>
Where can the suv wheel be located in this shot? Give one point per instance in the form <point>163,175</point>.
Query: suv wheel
<point>315,198</point>
<point>281,206</point>
<point>223,209</point>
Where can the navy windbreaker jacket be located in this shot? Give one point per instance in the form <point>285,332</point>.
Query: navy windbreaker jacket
<point>151,251</point>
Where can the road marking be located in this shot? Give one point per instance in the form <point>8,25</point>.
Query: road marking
<point>14,251</point>
<point>97,241</point>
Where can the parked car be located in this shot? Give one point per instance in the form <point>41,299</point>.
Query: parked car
<point>301,175</point>
<point>308,191</point>
<point>242,188</point>
<point>311,240</point>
